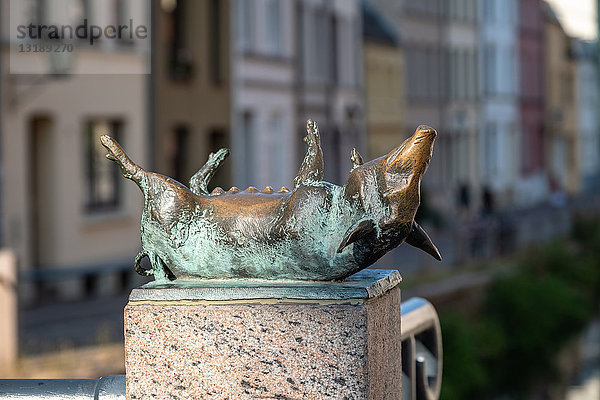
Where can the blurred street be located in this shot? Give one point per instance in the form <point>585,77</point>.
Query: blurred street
<point>73,324</point>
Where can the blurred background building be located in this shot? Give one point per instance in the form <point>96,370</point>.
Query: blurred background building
<point>69,217</point>
<point>586,98</point>
<point>500,142</point>
<point>249,75</point>
<point>385,87</point>
<point>512,93</point>
<point>561,115</point>
<point>190,86</point>
<point>532,187</point>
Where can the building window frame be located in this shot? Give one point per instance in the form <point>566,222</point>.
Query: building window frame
<point>274,26</point>
<point>103,187</point>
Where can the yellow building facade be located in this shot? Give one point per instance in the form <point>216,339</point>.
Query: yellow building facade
<point>385,75</point>
<point>385,97</point>
<point>562,146</point>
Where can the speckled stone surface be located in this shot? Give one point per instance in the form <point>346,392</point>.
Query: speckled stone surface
<point>273,348</point>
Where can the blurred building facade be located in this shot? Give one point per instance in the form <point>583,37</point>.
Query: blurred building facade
<point>264,101</point>
<point>423,26</point>
<point>497,79</point>
<point>586,97</point>
<point>329,80</point>
<point>461,167</point>
<point>533,185</point>
<point>70,218</point>
<point>190,86</point>
<point>512,97</point>
<point>562,150</point>
<point>385,94</point>
<point>250,73</point>
<point>499,145</point>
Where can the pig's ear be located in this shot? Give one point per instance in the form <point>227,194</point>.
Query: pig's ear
<point>363,229</point>
<point>419,238</point>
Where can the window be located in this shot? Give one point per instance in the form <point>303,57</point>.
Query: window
<point>477,72</point>
<point>179,155</point>
<point>306,24</point>
<point>278,165</point>
<point>122,15</point>
<point>317,46</point>
<point>321,43</point>
<point>87,10</point>
<point>491,149</point>
<point>409,83</point>
<point>249,139</point>
<point>472,10</point>
<point>41,11</point>
<point>102,176</point>
<point>217,140</point>
<point>423,77</point>
<point>432,77</point>
<point>215,42</point>
<point>422,68</point>
<point>489,12</point>
<point>334,37</point>
<point>470,74</point>
<point>121,12</point>
<point>346,52</point>
<point>273,28</point>
<point>420,72</point>
<point>567,87</point>
<point>559,150</point>
<point>490,69</point>
<point>461,12</point>
<point>453,74</point>
<point>244,21</point>
<point>180,57</point>
<point>465,77</point>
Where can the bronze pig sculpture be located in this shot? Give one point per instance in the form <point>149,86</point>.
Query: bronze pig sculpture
<point>318,231</point>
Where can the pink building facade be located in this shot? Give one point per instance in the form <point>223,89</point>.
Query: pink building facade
<point>531,59</point>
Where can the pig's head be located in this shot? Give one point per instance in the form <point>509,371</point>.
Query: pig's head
<point>387,189</point>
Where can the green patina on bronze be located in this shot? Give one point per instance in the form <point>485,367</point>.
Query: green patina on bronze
<point>319,231</point>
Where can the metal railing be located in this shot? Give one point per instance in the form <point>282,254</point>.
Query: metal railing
<point>421,350</point>
<point>110,387</point>
<point>421,366</point>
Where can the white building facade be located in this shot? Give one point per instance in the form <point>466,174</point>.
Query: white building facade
<point>292,61</point>
<point>586,96</point>
<point>459,144</point>
<point>499,105</point>
<point>263,103</point>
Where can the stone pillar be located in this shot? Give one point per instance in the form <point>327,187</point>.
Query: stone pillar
<point>8,311</point>
<point>248,340</point>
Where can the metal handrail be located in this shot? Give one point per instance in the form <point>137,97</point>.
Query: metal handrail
<point>110,387</point>
<point>421,350</point>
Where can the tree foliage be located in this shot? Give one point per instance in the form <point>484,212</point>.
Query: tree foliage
<point>527,317</point>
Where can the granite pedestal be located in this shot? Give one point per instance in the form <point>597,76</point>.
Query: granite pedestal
<point>232,340</point>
